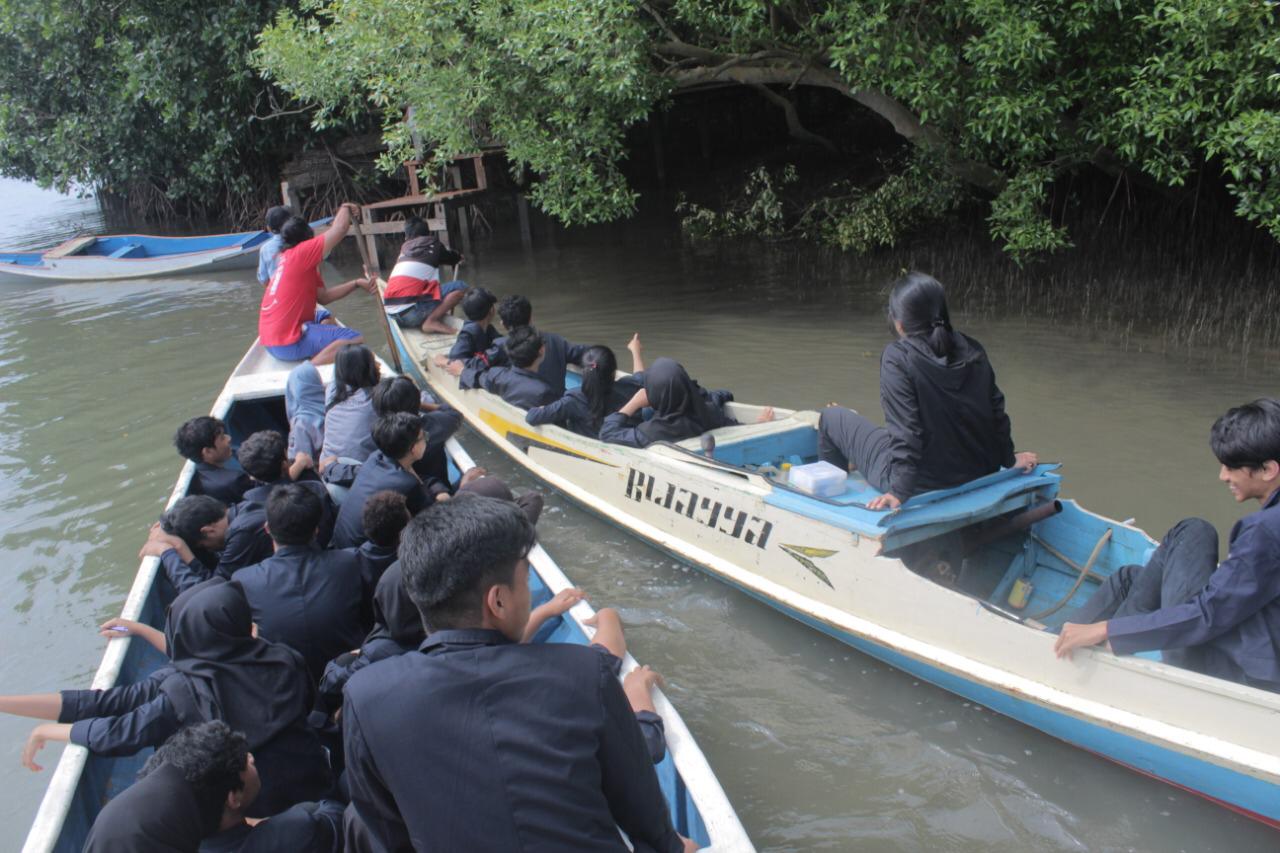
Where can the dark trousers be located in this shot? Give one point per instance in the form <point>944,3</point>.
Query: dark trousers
<point>845,437</point>
<point>1178,569</point>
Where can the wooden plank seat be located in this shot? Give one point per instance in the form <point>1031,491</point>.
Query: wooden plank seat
<point>71,247</point>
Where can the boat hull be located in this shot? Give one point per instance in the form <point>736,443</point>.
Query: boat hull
<point>81,783</point>
<point>1211,737</point>
<point>109,269</point>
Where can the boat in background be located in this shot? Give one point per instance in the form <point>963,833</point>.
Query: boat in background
<point>963,588</point>
<point>127,256</point>
<point>252,400</point>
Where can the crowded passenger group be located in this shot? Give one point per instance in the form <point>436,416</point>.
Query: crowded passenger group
<point>348,649</point>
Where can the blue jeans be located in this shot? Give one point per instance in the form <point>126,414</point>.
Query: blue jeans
<point>416,314</point>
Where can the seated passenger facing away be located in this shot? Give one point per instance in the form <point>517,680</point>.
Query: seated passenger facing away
<point>194,793</point>
<point>533,746</point>
<point>269,251</point>
<point>288,325</point>
<point>304,406</point>
<point>401,442</point>
<point>944,416</point>
<point>219,671</point>
<point>477,335</point>
<point>415,297</point>
<point>681,409</point>
<point>205,442</point>
<point>399,394</point>
<point>517,313</point>
<point>265,460</point>
<point>303,596</point>
<point>519,384</point>
<point>189,539</point>
<point>385,515</point>
<point>583,409</point>
<point>397,627</point>
<point>1221,619</point>
<point>348,417</point>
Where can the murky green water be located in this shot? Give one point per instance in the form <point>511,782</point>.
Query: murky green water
<point>818,746</point>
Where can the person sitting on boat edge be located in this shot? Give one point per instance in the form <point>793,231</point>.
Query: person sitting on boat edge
<point>1221,619</point>
<point>400,442</point>
<point>198,541</point>
<point>219,670</point>
<point>533,746</point>
<point>440,421</point>
<point>520,383</point>
<point>288,325</point>
<point>415,297</point>
<point>583,409</point>
<point>516,312</point>
<point>681,409</point>
<point>477,336</point>
<point>205,441</point>
<point>193,795</point>
<point>269,251</point>
<point>945,421</point>
<point>309,598</point>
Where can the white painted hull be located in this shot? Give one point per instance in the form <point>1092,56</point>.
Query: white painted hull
<point>111,269</point>
<point>1218,739</point>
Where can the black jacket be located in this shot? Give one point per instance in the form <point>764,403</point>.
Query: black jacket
<point>945,417</point>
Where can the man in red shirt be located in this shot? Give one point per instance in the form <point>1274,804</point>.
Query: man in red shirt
<point>290,326</point>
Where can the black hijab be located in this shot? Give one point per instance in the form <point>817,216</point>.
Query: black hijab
<point>680,410</point>
<point>395,616</point>
<point>225,673</point>
<point>161,812</point>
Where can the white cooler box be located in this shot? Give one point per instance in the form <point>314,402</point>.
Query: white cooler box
<point>819,478</point>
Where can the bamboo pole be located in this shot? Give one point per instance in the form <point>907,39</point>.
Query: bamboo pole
<point>377,294</point>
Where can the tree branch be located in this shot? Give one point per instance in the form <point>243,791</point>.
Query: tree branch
<point>794,127</point>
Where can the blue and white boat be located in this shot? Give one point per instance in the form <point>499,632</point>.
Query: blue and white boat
<point>962,588</point>
<point>133,256</point>
<point>253,399</point>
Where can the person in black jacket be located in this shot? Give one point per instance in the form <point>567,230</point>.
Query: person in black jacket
<point>521,384</point>
<point>204,440</point>
<point>477,335</point>
<point>945,422</point>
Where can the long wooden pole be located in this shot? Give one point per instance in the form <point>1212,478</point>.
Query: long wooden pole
<point>377,295</point>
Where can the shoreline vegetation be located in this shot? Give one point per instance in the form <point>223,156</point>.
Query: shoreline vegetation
<point>1117,164</point>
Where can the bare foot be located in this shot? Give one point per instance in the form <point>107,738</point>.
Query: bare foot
<point>766,415</point>
<point>437,327</point>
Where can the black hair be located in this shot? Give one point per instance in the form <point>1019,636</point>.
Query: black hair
<point>523,345</point>
<point>188,515</point>
<point>263,454</point>
<point>454,552</point>
<point>1248,435</point>
<point>277,216</point>
<point>599,368</point>
<point>396,394</point>
<point>293,514</point>
<point>385,514</point>
<point>296,230</point>
<point>210,756</point>
<point>415,227</point>
<point>515,312</point>
<point>353,369</point>
<point>477,302</point>
<point>919,303</point>
<point>396,434</point>
<point>197,434</point>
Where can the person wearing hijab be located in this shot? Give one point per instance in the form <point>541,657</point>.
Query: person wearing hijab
<point>681,409</point>
<point>218,671</point>
<point>304,406</point>
<point>945,422</point>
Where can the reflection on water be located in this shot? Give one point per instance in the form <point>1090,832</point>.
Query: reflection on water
<point>819,747</point>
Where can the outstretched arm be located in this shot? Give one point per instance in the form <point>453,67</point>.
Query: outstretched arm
<point>41,735</point>
<point>113,628</point>
<point>563,601</point>
<point>608,625</point>
<point>42,706</point>
<point>339,227</point>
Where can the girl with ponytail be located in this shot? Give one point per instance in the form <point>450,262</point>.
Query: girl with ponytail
<point>583,409</point>
<point>945,422</point>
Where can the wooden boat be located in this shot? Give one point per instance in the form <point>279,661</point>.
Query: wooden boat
<point>926,589</point>
<point>253,399</point>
